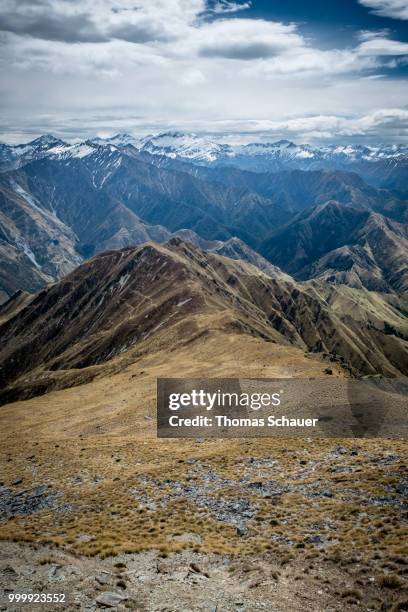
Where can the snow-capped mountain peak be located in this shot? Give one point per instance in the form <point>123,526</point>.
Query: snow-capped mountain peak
<point>194,147</point>
<point>46,140</point>
<point>66,151</point>
<point>119,140</point>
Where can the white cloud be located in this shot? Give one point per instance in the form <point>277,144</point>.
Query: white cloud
<point>370,34</point>
<point>389,125</point>
<point>184,64</point>
<point>244,39</point>
<point>226,6</point>
<point>397,9</point>
<point>330,126</point>
<point>305,62</point>
<point>98,21</point>
<point>56,34</point>
<point>108,59</point>
<point>372,52</point>
<point>193,77</point>
<point>380,46</point>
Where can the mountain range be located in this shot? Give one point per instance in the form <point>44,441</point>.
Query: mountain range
<point>383,165</point>
<point>61,203</point>
<point>319,236</point>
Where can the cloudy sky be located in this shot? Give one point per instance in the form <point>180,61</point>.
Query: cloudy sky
<point>306,70</point>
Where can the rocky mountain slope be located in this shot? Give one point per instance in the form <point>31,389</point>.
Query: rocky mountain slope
<point>343,244</point>
<point>295,190</point>
<point>107,200</point>
<point>36,247</point>
<point>144,299</point>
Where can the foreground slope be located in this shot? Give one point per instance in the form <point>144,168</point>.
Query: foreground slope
<point>92,500</point>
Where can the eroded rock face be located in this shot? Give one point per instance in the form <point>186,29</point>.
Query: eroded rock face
<point>36,247</point>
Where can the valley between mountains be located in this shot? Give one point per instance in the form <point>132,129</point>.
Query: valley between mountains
<point>125,260</point>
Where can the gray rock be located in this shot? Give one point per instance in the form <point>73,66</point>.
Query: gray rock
<point>316,539</point>
<point>109,599</point>
<point>84,537</point>
<point>209,606</point>
<point>340,450</point>
<point>24,503</point>
<point>9,571</point>
<point>178,576</point>
<point>102,578</point>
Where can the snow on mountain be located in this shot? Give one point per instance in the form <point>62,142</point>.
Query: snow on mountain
<point>36,148</point>
<point>14,156</point>
<point>43,143</point>
<point>204,149</point>
<point>66,151</point>
<point>285,149</point>
<point>78,150</point>
<point>187,146</point>
<point>119,140</point>
<point>101,160</point>
<point>81,150</point>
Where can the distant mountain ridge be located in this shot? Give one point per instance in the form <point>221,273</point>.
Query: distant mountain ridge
<point>380,165</point>
<point>204,148</point>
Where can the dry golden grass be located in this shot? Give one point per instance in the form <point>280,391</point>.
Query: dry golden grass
<point>96,444</point>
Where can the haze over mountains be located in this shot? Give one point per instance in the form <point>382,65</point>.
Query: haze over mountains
<point>325,227</point>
